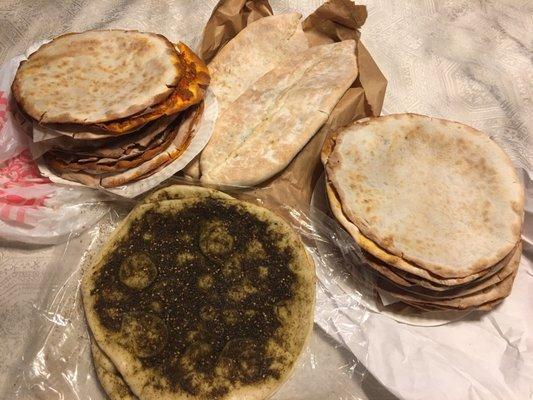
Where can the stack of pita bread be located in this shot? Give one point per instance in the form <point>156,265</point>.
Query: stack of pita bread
<point>118,105</point>
<point>436,207</point>
<point>274,93</point>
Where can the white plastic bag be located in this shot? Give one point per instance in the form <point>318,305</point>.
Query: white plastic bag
<point>35,210</point>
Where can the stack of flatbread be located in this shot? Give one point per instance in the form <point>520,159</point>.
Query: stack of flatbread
<point>198,295</point>
<point>436,207</point>
<point>115,105</point>
<point>274,93</point>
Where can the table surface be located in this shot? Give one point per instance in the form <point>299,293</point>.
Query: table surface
<point>463,60</point>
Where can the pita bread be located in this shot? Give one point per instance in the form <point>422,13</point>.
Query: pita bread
<point>393,260</point>
<point>271,121</point>
<point>111,145</point>
<point>433,308</point>
<point>96,76</point>
<point>114,147</point>
<point>183,136</point>
<point>510,268</point>
<point>255,50</point>
<point>119,156</point>
<point>192,170</point>
<point>109,377</point>
<point>495,272</point>
<point>42,132</point>
<point>490,294</point>
<point>172,361</point>
<point>190,90</point>
<point>433,192</point>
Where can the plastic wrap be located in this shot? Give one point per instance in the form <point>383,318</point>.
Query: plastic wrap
<point>57,361</point>
<point>362,280</point>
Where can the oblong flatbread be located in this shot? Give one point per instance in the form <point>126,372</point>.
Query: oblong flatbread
<point>96,76</point>
<point>155,315</point>
<point>255,50</point>
<point>436,193</point>
<point>261,132</point>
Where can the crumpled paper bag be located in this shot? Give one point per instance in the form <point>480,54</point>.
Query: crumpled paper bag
<point>334,21</point>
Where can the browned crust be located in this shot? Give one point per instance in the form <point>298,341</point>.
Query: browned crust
<point>190,90</point>
<point>114,181</point>
<point>424,288</point>
<point>159,161</point>
<point>422,293</point>
<point>55,161</point>
<point>30,110</point>
<point>495,292</point>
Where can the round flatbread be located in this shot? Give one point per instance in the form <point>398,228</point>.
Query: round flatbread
<point>393,260</point>
<point>491,294</point>
<point>424,288</point>
<point>201,298</point>
<point>184,133</point>
<point>110,379</point>
<point>422,294</point>
<point>96,76</point>
<point>436,193</point>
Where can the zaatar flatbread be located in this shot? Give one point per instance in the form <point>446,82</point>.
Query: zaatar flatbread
<point>262,131</point>
<point>435,193</point>
<point>139,317</point>
<point>180,192</point>
<point>109,377</point>
<point>96,76</point>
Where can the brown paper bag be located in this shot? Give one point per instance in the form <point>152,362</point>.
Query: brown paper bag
<point>334,21</point>
<point>228,19</point>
